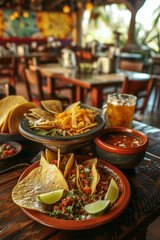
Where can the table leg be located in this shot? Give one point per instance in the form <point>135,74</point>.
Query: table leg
<point>96,94</point>
<point>51,86</point>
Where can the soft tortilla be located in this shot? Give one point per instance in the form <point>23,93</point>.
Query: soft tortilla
<point>7,103</point>
<point>43,179</point>
<point>17,114</point>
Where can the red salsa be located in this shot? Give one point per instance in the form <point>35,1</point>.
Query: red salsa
<point>122,140</point>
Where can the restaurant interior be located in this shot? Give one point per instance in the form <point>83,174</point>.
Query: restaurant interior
<point>83,50</point>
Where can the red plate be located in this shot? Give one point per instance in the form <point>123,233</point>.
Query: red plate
<point>118,208</point>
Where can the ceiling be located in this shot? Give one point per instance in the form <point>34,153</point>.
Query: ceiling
<point>56,5</point>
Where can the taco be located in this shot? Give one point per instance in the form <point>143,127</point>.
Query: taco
<point>72,177</point>
<point>87,176</point>
<point>67,163</point>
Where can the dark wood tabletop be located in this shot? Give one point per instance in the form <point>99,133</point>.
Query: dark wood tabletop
<point>95,82</point>
<point>143,207</point>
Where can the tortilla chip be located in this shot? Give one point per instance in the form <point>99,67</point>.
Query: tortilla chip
<point>43,179</point>
<point>58,157</point>
<point>71,106</point>
<point>87,127</point>
<point>50,155</point>
<point>74,119</point>
<point>17,114</point>
<point>7,103</point>
<point>43,160</point>
<point>42,114</point>
<point>53,106</point>
<point>67,163</point>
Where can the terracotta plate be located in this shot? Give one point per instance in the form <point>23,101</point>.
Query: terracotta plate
<point>118,208</point>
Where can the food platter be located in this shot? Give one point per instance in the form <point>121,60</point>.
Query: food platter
<point>118,208</point>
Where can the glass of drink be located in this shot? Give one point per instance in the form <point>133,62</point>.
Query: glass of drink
<point>120,110</point>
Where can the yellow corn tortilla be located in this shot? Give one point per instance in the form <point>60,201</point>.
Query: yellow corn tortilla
<point>43,179</point>
<point>17,114</point>
<point>95,175</point>
<point>71,106</point>
<point>42,114</point>
<point>7,103</point>
<point>68,162</point>
<point>50,155</point>
<point>53,106</point>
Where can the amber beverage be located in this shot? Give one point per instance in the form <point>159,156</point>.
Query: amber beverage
<point>120,110</point>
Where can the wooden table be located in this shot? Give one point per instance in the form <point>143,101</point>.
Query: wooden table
<point>143,208</point>
<point>94,82</point>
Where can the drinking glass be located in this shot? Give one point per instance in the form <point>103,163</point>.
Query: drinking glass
<point>120,110</point>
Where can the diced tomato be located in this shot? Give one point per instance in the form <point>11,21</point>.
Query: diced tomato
<point>56,208</point>
<point>4,145</point>
<point>103,178</point>
<point>71,216</point>
<point>82,176</point>
<point>64,203</point>
<point>87,189</point>
<point>105,188</point>
<point>11,151</point>
<point>86,181</point>
<point>63,209</point>
<point>68,199</point>
<point>55,162</point>
<point>90,174</point>
<point>73,171</point>
<point>5,153</point>
<point>8,147</point>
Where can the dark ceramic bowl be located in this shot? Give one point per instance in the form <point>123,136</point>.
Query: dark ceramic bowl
<point>66,144</point>
<point>11,137</point>
<point>120,156</point>
<point>17,146</point>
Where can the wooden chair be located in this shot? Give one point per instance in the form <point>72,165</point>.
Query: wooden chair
<point>125,66</point>
<point>6,89</point>
<point>131,66</point>
<point>142,90</point>
<point>7,69</point>
<point>36,90</point>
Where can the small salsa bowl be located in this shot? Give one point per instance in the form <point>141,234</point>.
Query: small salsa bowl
<point>17,149</point>
<point>123,147</point>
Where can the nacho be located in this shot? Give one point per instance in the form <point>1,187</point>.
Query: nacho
<point>71,106</point>
<point>53,106</point>
<point>42,114</point>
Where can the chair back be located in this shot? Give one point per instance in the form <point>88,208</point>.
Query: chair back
<point>141,89</point>
<point>33,82</point>
<point>131,66</point>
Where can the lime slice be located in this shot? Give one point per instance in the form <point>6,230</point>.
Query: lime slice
<point>97,208</point>
<point>113,191</point>
<point>51,197</point>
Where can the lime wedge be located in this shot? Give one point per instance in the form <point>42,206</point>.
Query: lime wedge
<point>113,191</point>
<point>51,197</point>
<point>97,208</point>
